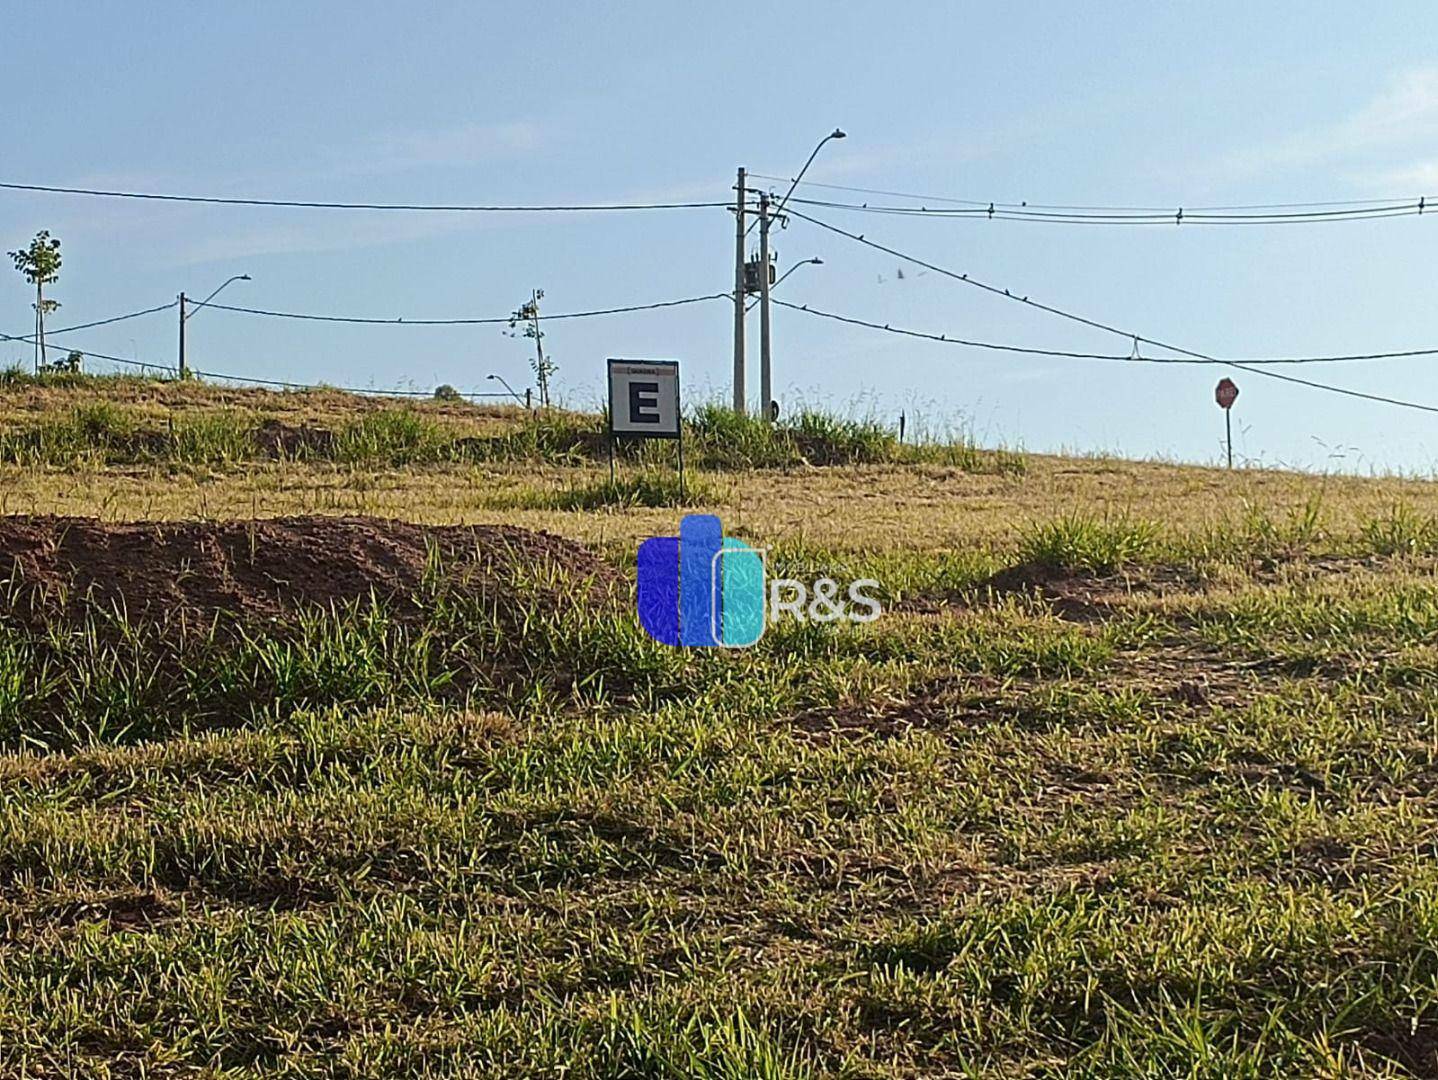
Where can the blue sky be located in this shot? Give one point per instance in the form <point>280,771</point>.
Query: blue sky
<point>1112,104</point>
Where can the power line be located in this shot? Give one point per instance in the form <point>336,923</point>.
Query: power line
<point>113,319</point>
<point>1168,218</point>
<point>32,340</point>
<point>341,389</point>
<point>1166,210</point>
<point>1095,324</point>
<point>345,319</point>
<point>307,204</point>
<point>93,355</point>
<point>489,321</point>
<point>1130,357</point>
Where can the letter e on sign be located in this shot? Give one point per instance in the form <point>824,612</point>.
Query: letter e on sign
<point>644,398</point>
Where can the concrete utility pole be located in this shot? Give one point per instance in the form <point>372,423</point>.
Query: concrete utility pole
<point>740,395</point>
<point>184,372</point>
<point>766,388</point>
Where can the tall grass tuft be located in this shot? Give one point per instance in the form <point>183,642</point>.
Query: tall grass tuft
<point>1078,541</point>
<point>95,432</point>
<point>1401,531</point>
<point>825,439</point>
<point>725,439</point>
<point>213,438</point>
<point>708,1045</point>
<point>559,437</point>
<point>651,488</point>
<point>392,437</point>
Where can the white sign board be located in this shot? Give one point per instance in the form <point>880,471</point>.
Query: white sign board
<point>644,398</point>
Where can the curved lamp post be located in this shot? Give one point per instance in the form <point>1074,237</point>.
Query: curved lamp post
<point>766,371</point>
<point>227,281</point>
<point>837,133</point>
<point>500,379</point>
<point>815,261</point>
<point>185,317</point>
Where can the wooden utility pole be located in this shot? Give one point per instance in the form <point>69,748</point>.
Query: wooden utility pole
<point>184,371</point>
<point>740,394</point>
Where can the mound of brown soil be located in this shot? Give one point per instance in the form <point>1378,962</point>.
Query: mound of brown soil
<point>189,572</point>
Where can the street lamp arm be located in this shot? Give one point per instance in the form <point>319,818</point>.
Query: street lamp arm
<point>837,133</point>
<point>500,379</point>
<point>206,300</point>
<point>816,261</point>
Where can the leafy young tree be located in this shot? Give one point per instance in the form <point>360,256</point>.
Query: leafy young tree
<point>528,314</point>
<point>40,263</point>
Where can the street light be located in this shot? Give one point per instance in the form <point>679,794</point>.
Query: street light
<point>766,383</point>
<point>815,261</point>
<point>500,379</point>
<point>228,281</point>
<point>185,317</point>
<point>837,133</point>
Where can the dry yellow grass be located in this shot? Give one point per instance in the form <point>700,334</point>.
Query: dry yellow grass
<point>918,507</point>
<point>156,400</point>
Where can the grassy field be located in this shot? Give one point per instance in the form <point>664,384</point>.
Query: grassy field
<point>1134,777</point>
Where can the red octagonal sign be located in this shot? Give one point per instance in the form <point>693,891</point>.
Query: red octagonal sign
<point>1225,393</point>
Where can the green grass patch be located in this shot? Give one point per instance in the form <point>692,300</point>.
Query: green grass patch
<point>654,488</point>
<point>102,432</point>
<point>1080,541</point>
<point>1401,531</point>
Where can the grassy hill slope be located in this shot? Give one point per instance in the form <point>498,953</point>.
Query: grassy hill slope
<point>1133,777</point>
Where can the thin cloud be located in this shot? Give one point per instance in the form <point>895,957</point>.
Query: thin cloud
<point>324,233</point>
<point>1418,178</point>
<point>1404,114</point>
<point>463,144</point>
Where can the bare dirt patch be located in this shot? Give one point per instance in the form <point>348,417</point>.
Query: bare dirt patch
<point>932,706</point>
<point>258,570</point>
<point>129,910</point>
<point>1084,595</point>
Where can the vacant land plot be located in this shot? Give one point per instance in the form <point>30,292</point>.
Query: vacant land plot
<point>1135,776</point>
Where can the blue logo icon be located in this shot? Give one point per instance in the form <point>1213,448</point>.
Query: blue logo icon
<point>701,588</point>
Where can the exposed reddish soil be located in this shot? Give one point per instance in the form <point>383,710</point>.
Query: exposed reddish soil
<point>191,571</point>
